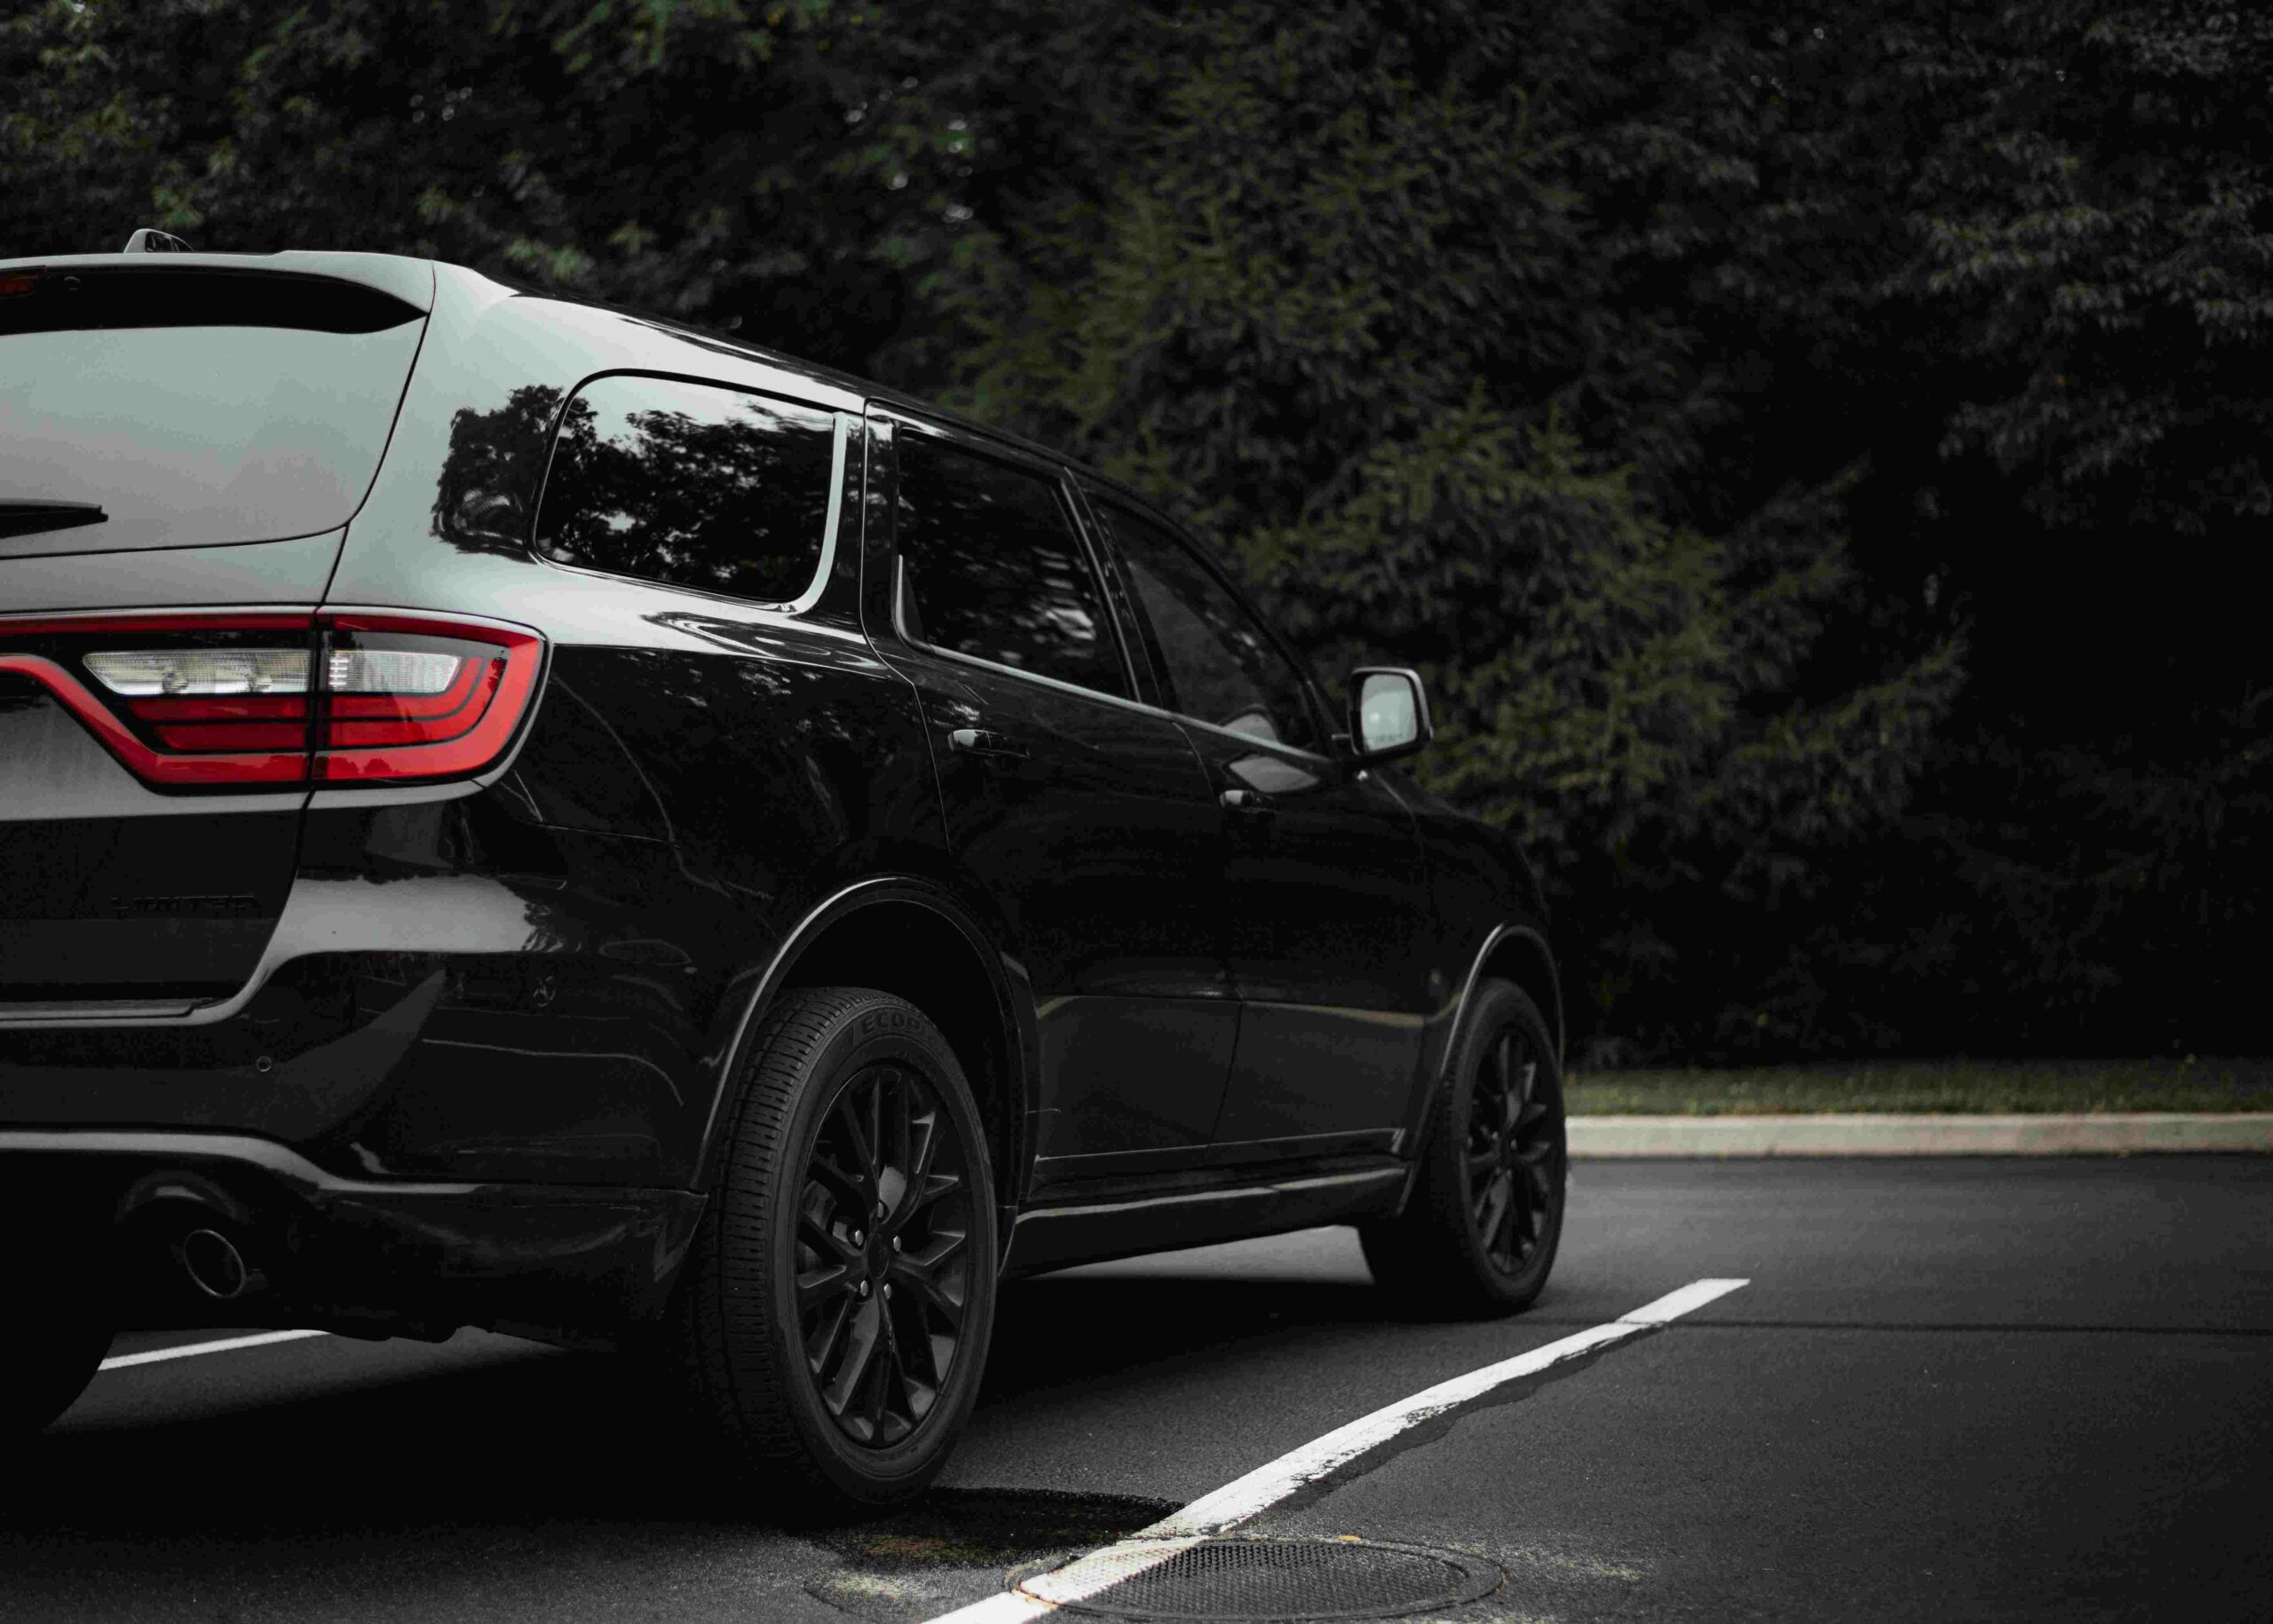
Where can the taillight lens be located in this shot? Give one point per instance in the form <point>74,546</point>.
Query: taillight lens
<point>212,701</point>
<point>258,700</point>
<point>410,698</point>
<point>201,671</point>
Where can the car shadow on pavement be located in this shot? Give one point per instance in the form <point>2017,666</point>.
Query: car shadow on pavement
<point>1135,1330</point>
<point>451,1476</point>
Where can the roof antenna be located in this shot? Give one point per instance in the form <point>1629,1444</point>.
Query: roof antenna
<point>149,239</point>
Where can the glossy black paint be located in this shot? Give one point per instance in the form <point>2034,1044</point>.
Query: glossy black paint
<point>361,1256</point>
<point>1324,899</point>
<point>490,1027</point>
<point>116,892</point>
<point>1092,828</point>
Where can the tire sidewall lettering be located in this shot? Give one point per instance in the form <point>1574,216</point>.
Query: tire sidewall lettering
<point>889,1033</point>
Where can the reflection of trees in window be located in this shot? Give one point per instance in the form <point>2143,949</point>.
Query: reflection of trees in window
<point>692,485</point>
<point>1219,666</point>
<point>490,475</point>
<point>993,569</point>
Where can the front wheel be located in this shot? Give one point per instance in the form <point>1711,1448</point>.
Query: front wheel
<point>1478,1236</point>
<point>833,1317</point>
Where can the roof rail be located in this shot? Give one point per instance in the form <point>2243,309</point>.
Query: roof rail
<point>149,239</point>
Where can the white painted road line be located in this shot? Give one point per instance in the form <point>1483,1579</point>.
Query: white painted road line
<point>227,1344</point>
<point>1237,1501</point>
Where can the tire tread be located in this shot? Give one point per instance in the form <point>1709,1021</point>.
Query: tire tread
<point>1426,1257</point>
<point>723,1323</point>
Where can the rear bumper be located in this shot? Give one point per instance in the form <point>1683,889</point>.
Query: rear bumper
<point>449,995</point>
<point>577,1264</point>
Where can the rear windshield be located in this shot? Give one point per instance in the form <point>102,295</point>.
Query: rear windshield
<point>189,408</point>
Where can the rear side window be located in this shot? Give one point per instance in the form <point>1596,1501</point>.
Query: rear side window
<point>1218,665</point>
<point>693,485</point>
<point>154,407</point>
<point>993,569</point>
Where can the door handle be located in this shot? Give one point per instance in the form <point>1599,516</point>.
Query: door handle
<point>980,741</point>
<point>1252,802</point>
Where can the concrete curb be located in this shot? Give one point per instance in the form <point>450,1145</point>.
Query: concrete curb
<point>1595,1137</point>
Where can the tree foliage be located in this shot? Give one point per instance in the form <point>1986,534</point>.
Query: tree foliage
<point>1350,307</point>
<point>1810,454</point>
<point>740,164</point>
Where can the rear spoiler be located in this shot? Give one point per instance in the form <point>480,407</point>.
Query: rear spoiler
<point>409,280</point>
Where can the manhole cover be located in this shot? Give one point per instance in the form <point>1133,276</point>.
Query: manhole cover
<point>1261,1579</point>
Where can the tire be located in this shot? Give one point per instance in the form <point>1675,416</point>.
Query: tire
<point>1478,1234</point>
<point>852,1395</point>
<point>43,1373</point>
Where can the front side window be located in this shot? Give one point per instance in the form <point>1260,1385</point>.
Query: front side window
<point>693,485</point>
<point>993,568</point>
<point>1218,665</point>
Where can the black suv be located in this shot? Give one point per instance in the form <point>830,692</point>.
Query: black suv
<point>517,815</point>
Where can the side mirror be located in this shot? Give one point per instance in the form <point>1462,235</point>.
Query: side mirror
<point>1389,712</point>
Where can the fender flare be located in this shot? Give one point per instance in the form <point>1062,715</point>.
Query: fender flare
<point>1433,1088</point>
<point>1005,974</point>
<point>1508,933</point>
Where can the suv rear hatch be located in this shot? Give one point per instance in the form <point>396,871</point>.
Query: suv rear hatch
<point>161,417</point>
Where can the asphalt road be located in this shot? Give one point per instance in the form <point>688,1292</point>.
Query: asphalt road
<point>1967,1389</point>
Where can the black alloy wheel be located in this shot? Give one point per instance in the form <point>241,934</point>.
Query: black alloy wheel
<point>830,1324</point>
<point>883,1253</point>
<point>1479,1231</point>
<point>1514,1152</point>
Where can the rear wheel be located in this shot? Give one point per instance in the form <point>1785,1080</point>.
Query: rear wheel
<point>833,1318</point>
<point>1479,1234</point>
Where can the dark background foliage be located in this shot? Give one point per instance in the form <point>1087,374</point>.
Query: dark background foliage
<point>1816,455</point>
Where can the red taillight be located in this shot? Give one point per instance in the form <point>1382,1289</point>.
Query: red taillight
<point>102,667</point>
<point>412,697</point>
<point>256,701</point>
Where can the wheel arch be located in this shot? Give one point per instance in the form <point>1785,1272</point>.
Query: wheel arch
<point>1519,954</point>
<point>1515,953</point>
<point>913,938</point>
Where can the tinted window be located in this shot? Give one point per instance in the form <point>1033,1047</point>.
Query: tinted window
<point>186,410</point>
<point>993,569</point>
<point>1218,665</point>
<point>691,484</point>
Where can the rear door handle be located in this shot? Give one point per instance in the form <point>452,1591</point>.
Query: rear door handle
<point>980,741</point>
<point>1249,801</point>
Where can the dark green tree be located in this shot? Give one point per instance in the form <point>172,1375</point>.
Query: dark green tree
<point>1682,385</point>
<point>1346,301</point>
<point>741,165</point>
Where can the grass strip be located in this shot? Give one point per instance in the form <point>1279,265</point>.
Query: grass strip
<point>1966,1087</point>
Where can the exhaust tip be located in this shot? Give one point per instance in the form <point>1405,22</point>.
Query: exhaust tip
<point>214,1264</point>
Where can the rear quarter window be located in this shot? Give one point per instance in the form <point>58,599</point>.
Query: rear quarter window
<point>691,485</point>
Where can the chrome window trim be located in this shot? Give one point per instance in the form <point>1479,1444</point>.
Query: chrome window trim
<point>839,452</point>
<point>840,424</point>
